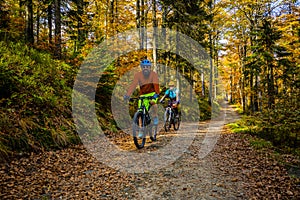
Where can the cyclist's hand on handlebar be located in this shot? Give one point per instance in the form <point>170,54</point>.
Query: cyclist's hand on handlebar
<point>126,98</point>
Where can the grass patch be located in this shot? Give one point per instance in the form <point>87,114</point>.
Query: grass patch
<point>238,128</point>
<point>260,144</point>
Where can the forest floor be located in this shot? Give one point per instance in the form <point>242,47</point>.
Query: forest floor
<point>232,170</point>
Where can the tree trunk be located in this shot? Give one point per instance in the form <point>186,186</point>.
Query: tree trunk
<point>49,9</point>
<point>80,31</point>
<point>138,14</point>
<point>57,29</point>
<point>271,89</point>
<point>154,35</point>
<point>29,22</point>
<point>210,96</point>
<point>202,82</point>
<point>38,25</point>
<point>164,25</point>
<point>112,16</point>
<point>143,25</point>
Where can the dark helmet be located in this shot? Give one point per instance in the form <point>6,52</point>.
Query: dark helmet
<point>145,63</point>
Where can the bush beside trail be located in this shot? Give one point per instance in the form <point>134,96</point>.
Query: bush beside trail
<point>35,100</point>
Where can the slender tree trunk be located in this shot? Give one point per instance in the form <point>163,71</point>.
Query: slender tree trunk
<point>38,25</point>
<point>49,9</point>
<point>143,25</point>
<point>251,92</point>
<point>80,31</point>
<point>216,74</point>
<point>116,15</point>
<point>112,16</point>
<point>138,21</point>
<point>57,29</point>
<point>271,89</point>
<point>256,93</point>
<point>210,96</point>
<point>191,85</point>
<point>164,25</point>
<point>202,82</point>
<point>154,35</point>
<point>251,81</point>
<point>29,22</point>
<point>138,14</point>
<point>243,57</point>
<point>231,87</point>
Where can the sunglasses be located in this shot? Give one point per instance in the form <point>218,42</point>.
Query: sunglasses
<point>145,66</point>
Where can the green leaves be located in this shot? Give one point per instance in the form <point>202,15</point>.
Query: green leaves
<point>35,100</point>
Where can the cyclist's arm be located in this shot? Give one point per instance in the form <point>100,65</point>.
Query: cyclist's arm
<point>133,85</point>
<point>156,83</point>
<point>166,94</point>
<point>162,98</point>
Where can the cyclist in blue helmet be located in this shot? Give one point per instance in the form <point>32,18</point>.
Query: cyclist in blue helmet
<point>148,82</point>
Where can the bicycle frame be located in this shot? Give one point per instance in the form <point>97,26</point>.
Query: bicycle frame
<point>169,117</point>
<point>170,109</point>
<point>142,122</point>
<point>144,110</point>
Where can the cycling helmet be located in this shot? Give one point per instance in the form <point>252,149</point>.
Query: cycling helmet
<point>171,83</point>
<point>145,63</point>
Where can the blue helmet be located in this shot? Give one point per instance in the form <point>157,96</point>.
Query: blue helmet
<point>145,63</point>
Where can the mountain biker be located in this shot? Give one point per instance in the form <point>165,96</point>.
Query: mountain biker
<point>148,82</point>
<point>173,94</point>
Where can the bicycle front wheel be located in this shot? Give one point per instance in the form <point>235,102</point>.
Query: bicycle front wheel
<point>138,131</point>
<point>153,136</point>
<point>176,123</point>
<point>167,120</point>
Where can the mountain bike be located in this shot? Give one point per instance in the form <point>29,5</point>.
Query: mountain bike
<point>170,118</point>
<point>142,123</point>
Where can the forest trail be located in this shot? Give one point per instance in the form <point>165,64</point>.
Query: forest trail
<point>232,170</point>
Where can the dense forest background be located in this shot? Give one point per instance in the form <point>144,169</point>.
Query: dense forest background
<point>254,48</point>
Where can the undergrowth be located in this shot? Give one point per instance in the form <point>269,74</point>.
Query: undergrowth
<point>35,100</point>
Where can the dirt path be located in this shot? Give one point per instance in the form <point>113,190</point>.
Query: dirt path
<point>232,170</point>
<point>192,176</point>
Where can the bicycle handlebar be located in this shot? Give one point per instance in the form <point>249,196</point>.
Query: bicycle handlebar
<point>138,98</point>
<point>169,101</point>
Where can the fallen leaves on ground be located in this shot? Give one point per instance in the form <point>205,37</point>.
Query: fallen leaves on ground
<point>262,173</point>
<point>233,170</point>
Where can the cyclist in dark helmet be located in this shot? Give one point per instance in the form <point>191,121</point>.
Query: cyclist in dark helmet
<point>148,82</point>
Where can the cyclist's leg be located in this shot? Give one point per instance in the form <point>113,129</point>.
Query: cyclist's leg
<point>140,119</point>
<point>153,104</point>
<point>155,111</point>
<point>155,115</point>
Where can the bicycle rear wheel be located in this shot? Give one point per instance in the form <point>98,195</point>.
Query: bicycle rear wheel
<point>136,130</point>
<point>167,120</point>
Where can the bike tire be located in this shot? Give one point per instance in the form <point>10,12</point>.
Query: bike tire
<point>167,120</point>
<point>176,123</point>
<point>153,137</point>
<point>138,142</point>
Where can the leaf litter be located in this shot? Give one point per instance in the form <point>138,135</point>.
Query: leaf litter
<point>233,170</point>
